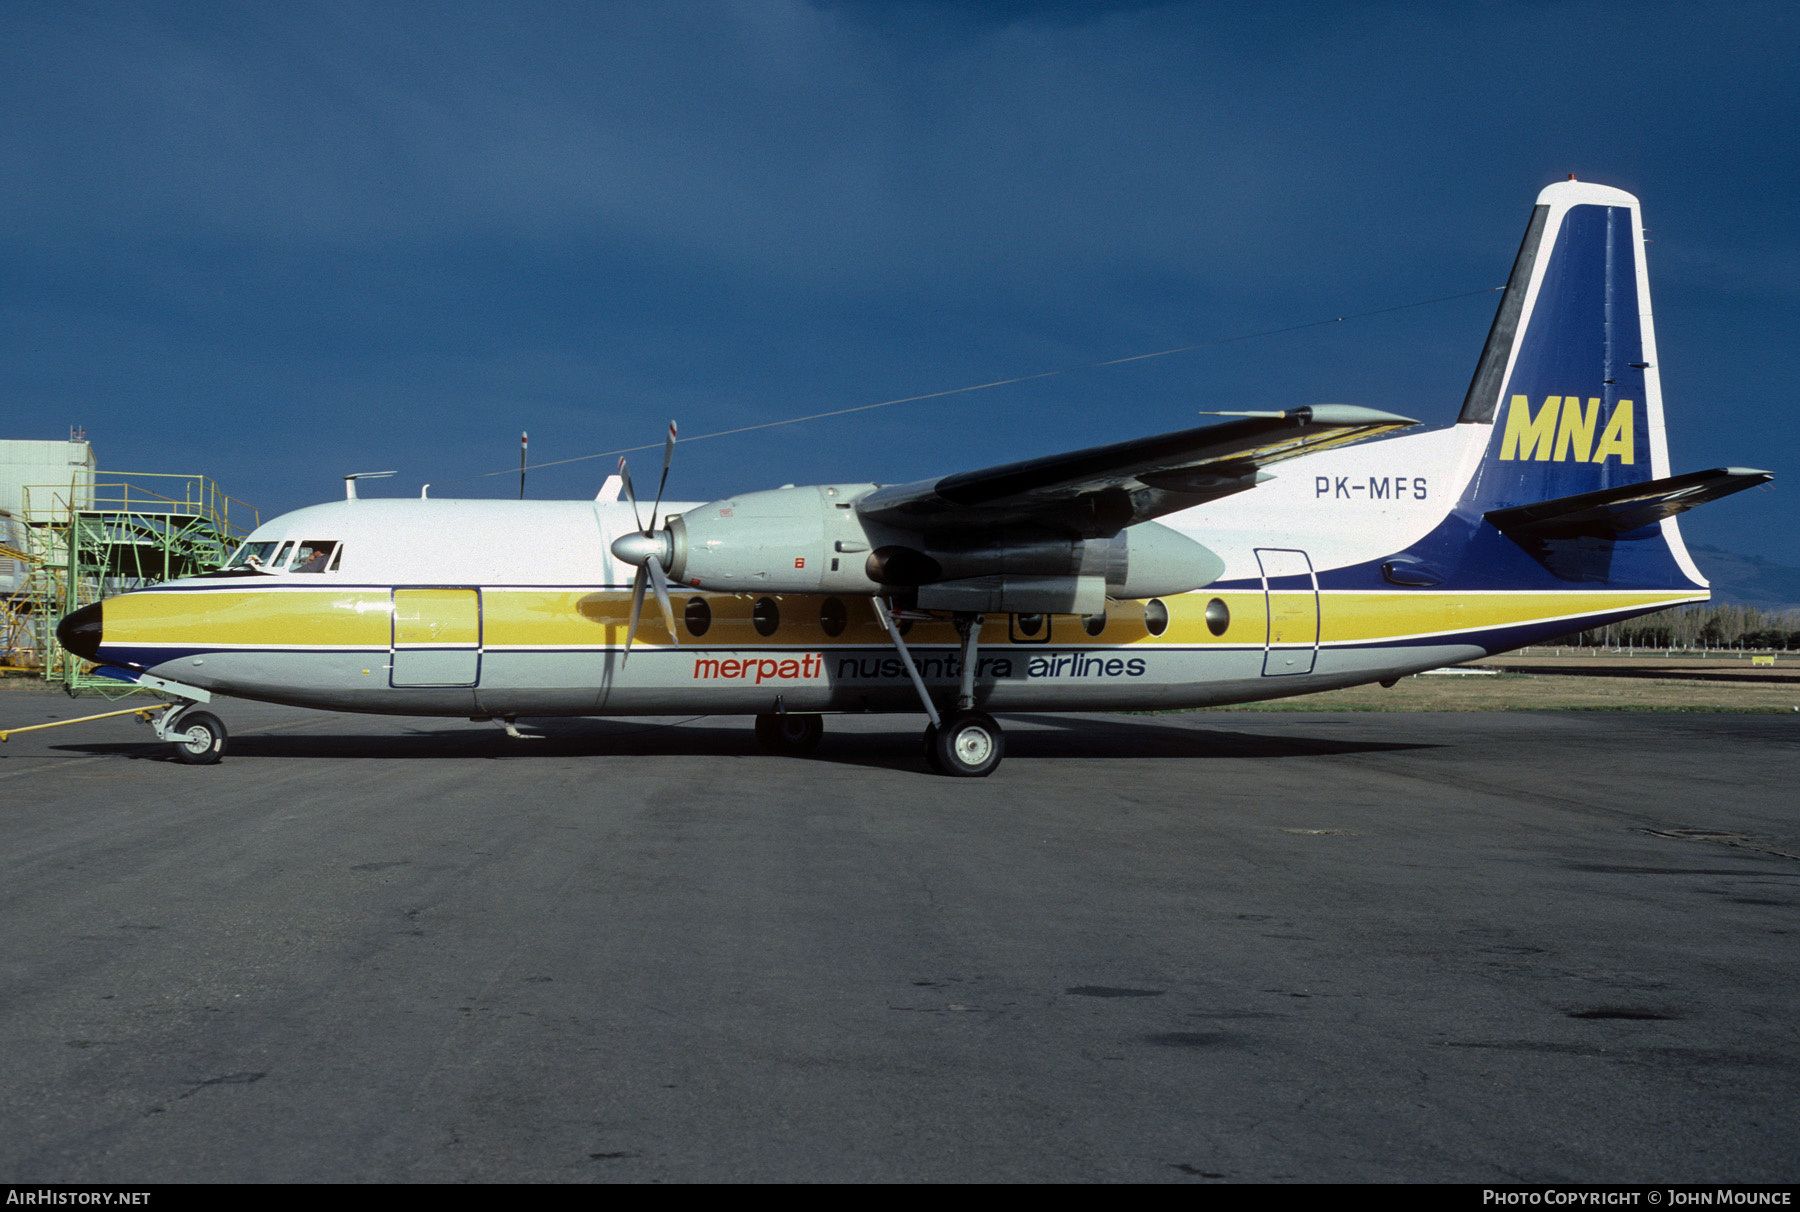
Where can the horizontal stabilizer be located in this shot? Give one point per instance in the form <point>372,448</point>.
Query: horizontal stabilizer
<point>1611,512</point>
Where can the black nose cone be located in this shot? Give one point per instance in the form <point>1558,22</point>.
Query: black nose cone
<point>79,632</point>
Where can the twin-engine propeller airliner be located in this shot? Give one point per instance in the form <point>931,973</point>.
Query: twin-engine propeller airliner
<point>1257,557</point>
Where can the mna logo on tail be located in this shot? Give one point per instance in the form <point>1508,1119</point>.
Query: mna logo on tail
<point>1563,428</point>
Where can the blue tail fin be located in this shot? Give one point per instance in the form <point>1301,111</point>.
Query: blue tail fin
<point>1564,463</point>
<point>1568,381</point>
<point>1568,474</point>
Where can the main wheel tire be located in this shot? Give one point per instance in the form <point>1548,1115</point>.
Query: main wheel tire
<point>792,734</point>
<point>199,738</point>
<point>969,745</point>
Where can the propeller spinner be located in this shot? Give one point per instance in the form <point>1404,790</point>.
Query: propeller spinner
<point>651,551</point>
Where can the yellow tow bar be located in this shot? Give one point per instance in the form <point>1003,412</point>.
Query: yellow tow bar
<point>142,713</point>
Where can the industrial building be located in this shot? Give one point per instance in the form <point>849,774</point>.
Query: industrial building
<point>71,534</point>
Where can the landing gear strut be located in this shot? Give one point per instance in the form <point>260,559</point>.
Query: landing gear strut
<point>966,743</point>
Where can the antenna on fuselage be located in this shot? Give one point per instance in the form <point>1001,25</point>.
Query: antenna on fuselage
<point>351,479</point>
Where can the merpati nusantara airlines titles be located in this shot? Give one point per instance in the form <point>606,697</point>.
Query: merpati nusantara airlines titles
<point>931,665</point>
<point>1258,556</point>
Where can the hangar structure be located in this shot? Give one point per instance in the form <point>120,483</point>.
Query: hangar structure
<point>71,534</point>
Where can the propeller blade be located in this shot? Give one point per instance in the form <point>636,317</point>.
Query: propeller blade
<point>668,456</point>
<point>660,583</point>
<point>637,606</point>
<point>625,483</point>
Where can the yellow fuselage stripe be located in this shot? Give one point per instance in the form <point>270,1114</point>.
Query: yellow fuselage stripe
<point>561,618</point>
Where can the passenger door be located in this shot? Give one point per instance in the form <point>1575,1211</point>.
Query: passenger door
<point>1291,595</point>
<point>437,637</point>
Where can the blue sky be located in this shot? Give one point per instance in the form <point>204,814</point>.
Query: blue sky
<point>276,243</point>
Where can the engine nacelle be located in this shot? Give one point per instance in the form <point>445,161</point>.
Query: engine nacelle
<point>786,540</point>
<point>811,540</point>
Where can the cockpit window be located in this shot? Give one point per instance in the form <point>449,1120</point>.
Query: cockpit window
<point>282,555</point>
<point>252,555</point>
<point>314,555</point>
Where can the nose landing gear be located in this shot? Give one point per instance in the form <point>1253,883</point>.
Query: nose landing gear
<point>199,737</point>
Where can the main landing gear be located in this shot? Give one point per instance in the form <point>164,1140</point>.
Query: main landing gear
<point>966,743</point>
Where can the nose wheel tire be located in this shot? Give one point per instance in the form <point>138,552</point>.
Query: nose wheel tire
<point>199,738</point>
<point>967,745</point>
<point>791,734</point>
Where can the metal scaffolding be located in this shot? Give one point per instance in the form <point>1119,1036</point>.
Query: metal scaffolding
<point>18,643</point>
<point>106,532</point>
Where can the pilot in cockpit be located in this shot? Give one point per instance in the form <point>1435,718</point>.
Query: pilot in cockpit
<point>312,558</point>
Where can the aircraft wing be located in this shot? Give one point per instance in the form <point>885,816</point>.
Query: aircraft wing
<point>1101,490</point>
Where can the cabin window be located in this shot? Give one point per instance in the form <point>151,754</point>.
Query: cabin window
<point>1218,616</point>
<point>833,618</point>
<point>1156,616</point>
<point>1094,624</point>
<point>314,555</point>
<point>766,615</point>
<point>697,616</point>
<point>252,555</point>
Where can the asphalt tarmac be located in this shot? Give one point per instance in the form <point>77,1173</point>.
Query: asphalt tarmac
<point>1555,946</point>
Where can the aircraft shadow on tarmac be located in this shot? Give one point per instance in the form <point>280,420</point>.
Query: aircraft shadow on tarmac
<point>1056,737</point>
<point>1061,736</point>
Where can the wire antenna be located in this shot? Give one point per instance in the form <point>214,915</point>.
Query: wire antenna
<point>955,391</point>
